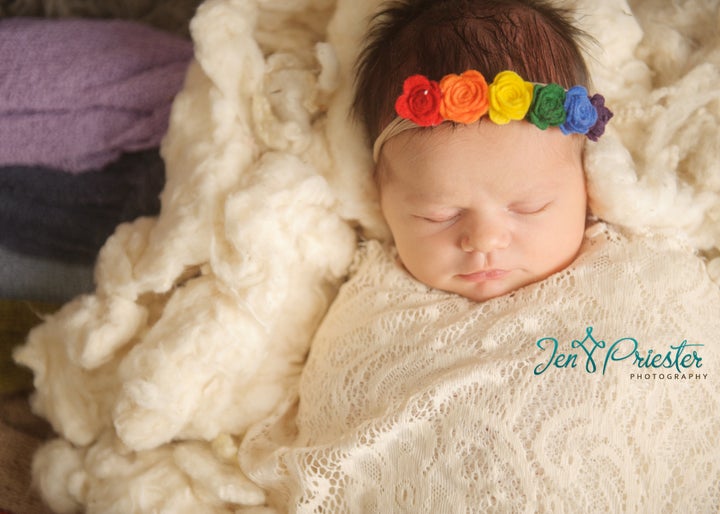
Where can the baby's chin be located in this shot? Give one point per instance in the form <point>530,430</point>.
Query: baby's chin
<point>484,293</point>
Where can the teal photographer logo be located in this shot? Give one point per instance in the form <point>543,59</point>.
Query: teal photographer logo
<point>681,361</point>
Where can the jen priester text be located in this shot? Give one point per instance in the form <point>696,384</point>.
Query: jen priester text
<point>595,354</point>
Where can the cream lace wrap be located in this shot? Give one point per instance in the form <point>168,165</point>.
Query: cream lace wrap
<point>414,400</point>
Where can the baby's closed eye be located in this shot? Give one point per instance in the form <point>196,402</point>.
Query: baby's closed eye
<point>444,217</point>
<point>529,207</point>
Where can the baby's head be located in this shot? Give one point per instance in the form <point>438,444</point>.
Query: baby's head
<point>483,187</point>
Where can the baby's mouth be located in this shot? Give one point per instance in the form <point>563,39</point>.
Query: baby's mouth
<point>485,275</point>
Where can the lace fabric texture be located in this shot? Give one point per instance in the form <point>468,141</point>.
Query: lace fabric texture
<point>415,400</point>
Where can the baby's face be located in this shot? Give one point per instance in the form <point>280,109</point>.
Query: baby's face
<point>481,210</point>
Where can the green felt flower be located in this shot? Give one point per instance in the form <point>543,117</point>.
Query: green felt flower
<point>548,106</point>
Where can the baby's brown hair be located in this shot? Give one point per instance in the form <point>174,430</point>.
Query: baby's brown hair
<point>438,37</point>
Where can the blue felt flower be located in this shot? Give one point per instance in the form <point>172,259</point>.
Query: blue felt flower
<point>581,113</point>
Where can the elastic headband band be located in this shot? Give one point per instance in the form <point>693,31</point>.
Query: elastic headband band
<point>392,129</point>
<point>467,97</point>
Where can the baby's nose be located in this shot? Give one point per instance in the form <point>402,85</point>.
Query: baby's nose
<point>484,235</point>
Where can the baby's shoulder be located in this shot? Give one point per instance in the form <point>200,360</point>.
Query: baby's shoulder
<point>646,258</point>
<point>624,240</point>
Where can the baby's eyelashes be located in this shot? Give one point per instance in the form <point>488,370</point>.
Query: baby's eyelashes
<point>529,207</point>
<point>438,218</point>
<point>520,208</point>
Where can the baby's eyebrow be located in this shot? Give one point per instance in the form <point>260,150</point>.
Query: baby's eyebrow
<point>432,199</point>
<point>538,187</point>
<point>529,194</point>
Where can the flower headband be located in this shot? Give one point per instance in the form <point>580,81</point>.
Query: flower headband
<point>467,97</point>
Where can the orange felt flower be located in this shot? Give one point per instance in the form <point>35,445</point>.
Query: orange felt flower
<point>465,97</point>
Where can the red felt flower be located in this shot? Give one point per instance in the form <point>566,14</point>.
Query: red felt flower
<point>420,101</point>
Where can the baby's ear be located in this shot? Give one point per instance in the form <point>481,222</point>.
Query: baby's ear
<point>578,147</point>
<point>381,173</point>
<point>581,140</point>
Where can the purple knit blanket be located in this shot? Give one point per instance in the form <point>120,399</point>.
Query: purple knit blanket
<point>77,93</point>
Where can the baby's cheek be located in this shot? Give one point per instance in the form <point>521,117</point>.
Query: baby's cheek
<point>562,244</point>
<point>427,260</point>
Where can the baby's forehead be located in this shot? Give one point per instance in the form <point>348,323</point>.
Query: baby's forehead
<point>484,142</point>
<point>433,164</point>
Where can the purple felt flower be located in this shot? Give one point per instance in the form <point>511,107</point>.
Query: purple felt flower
<point>604,115</point>
<point>581,114</point>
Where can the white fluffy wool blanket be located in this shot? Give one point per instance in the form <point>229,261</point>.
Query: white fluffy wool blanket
<point>417,400</point>
<point>202,317</point>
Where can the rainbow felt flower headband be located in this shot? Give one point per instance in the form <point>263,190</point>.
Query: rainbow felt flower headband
<point>467,97</point>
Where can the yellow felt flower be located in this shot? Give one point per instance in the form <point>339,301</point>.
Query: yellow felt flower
<point>510,97</point>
